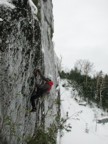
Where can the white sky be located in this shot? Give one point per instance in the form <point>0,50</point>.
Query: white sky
<point>81,31</point>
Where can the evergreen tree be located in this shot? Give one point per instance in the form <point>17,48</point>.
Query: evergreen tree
<point>94,89</point>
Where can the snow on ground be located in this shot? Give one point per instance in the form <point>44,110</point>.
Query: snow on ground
<point>85,130</point>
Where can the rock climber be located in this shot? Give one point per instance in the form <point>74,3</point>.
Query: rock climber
<point>40,89</point>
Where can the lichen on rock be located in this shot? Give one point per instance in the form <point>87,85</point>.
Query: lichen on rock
<point>23,39</point>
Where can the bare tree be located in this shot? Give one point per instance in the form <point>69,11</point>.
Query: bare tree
<point>88,66</point>
<point>79,65</point>
<point>85,67</point>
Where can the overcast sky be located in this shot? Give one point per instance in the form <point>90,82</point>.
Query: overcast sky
<point>81,31</point>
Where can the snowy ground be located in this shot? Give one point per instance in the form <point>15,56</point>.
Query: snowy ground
<point>85,130</point>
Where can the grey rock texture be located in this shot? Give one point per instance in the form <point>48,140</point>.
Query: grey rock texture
<point>26,34</point>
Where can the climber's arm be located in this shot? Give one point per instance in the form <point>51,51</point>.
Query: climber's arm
<point>42,76</point>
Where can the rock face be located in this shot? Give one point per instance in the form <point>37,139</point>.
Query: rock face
<point>26,34</point>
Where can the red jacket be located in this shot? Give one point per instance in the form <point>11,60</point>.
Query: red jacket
<point>50,83</point>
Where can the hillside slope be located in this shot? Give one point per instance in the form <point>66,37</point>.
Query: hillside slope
<point>84,130</point>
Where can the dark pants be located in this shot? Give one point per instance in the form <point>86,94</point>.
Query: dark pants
<point>39,93</point>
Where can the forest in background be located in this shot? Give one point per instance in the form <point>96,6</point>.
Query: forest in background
<point>90,87</point>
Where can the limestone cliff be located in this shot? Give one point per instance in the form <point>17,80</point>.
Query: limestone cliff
<point>26,32</point>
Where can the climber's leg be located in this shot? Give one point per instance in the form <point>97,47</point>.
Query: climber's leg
<point>32,100</point>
